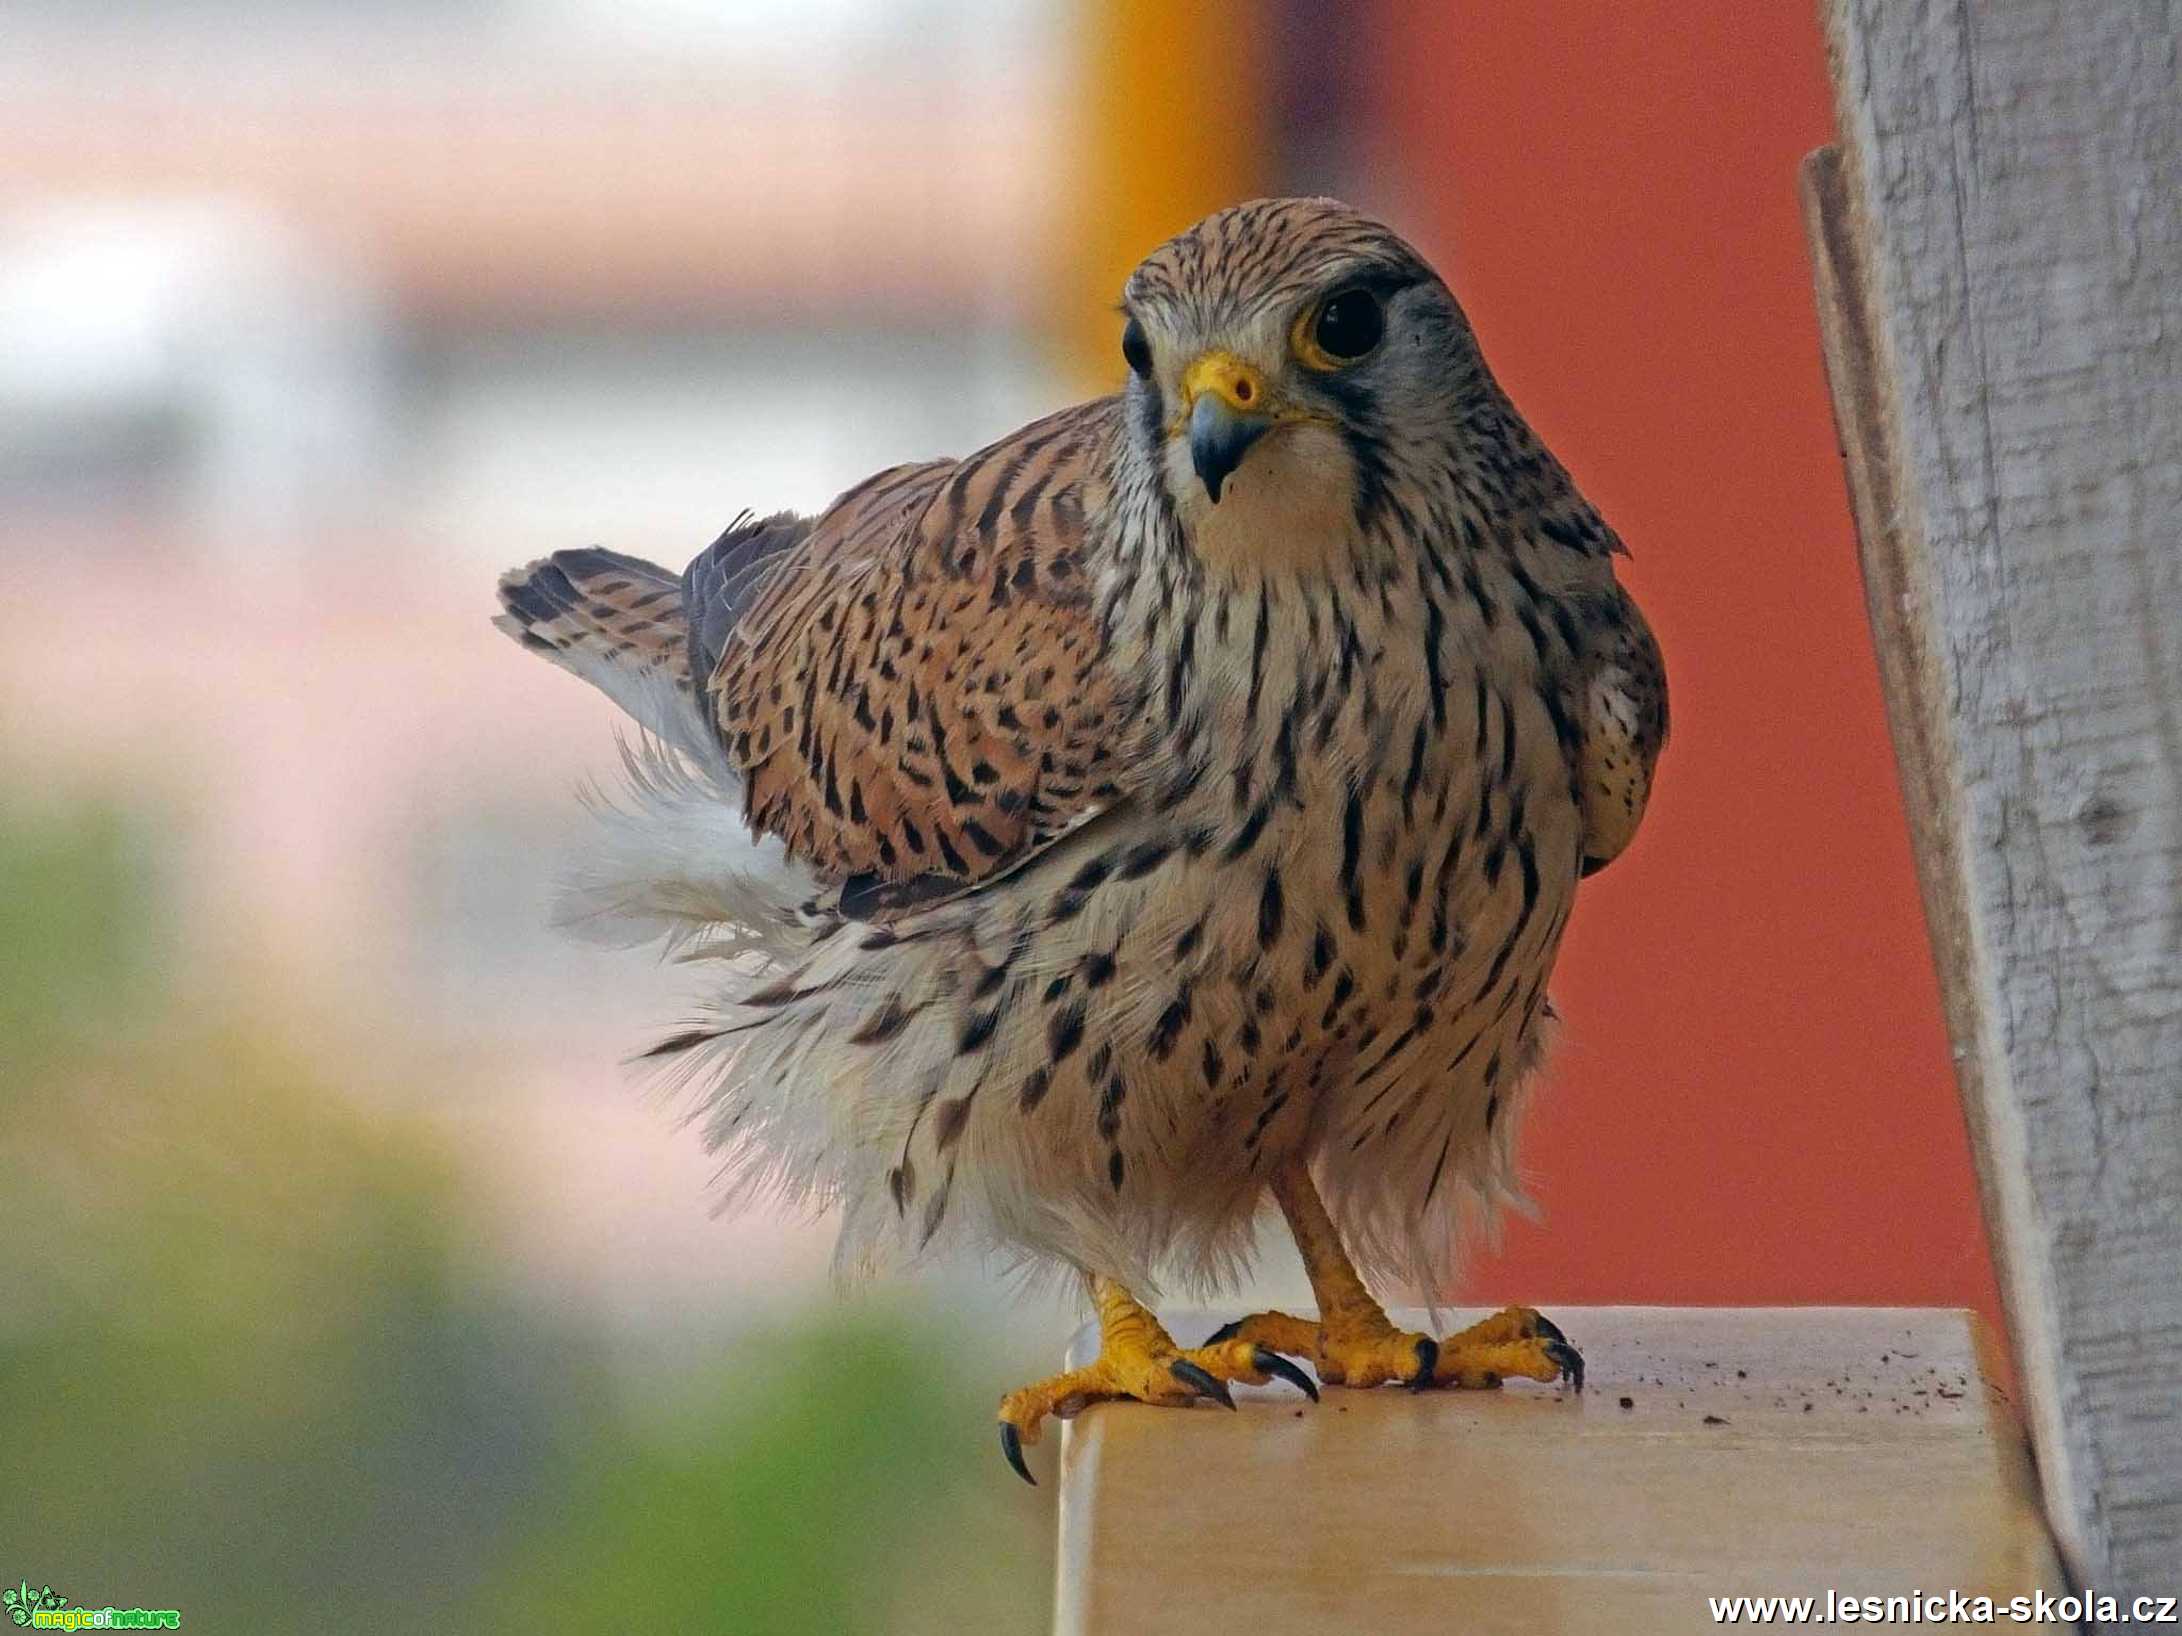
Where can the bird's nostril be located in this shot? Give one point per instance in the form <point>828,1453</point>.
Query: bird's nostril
<point>1244,391</point>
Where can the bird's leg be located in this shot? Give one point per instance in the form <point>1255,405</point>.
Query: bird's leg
<point>1138,1359</point>
<point>1354,1343</point>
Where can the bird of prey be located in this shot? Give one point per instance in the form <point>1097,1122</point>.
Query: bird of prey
<point>1175,805</point>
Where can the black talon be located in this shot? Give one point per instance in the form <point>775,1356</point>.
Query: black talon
<point>1428,1360</point>
<point>1226,1332</point>
<point>1569,1359</point>
<point>1011,1445</point>
<point>1272,1363</point>
<point>1197,1380</point>
<point>1548,1328</point>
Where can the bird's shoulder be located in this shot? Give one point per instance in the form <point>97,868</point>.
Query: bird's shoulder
<point>916,694</point>
<point>1622,701</point>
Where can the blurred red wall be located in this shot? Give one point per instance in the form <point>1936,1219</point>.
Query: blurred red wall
<point>1753,1100</point>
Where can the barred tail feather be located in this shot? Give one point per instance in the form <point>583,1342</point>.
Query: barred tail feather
<point>618,623</point>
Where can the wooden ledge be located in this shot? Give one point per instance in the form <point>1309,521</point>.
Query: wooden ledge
<point>1771,1451</point>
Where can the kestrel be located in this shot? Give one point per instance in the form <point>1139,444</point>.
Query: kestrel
<point>1178,802</point>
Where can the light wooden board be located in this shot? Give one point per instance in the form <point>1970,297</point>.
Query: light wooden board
<point>1999,250</point>
<point>1859,1449</point>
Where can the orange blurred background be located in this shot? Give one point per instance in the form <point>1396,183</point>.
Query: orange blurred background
<point>1754,1100</point>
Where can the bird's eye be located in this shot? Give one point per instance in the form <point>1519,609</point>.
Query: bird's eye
<point>1346,326</point>
<point>1136,347</point>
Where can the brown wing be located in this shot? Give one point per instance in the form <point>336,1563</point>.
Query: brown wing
<point>915,692</point>
<point>1624,706</point>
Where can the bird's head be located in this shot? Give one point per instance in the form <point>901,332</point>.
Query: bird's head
<point>1290,359</point>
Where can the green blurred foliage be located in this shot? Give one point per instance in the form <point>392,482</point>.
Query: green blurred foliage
<point>243,1372</point>
<point>825,1480</point>
<point>77,917</point>
<point>256,1361</point>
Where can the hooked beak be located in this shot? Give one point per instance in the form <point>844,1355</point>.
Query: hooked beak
<point>1226,398</point>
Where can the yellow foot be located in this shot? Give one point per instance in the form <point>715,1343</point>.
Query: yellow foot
<point>1141,1362</point>
<point>1364,1349</point>
<point>1515,1341</point>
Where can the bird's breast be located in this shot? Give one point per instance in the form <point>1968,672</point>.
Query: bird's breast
<point>1377,842</point>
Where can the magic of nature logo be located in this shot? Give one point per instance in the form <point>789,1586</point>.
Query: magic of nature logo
<point>47,1609</point>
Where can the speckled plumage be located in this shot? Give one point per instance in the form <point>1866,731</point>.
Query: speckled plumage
<point>1137,844</point>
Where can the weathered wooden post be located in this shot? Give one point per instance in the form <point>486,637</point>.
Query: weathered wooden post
<point>1998,241</point>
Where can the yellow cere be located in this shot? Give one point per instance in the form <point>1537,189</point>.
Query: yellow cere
<point>1236,384</point>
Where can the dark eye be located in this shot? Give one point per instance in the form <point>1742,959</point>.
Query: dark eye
<point>1349,325</point>
<point>1137,349</point>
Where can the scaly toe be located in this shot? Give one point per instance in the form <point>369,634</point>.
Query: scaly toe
<point>1358,1349</point>
<point>1275,1331</point>
<point>1508,1324</point>
<point>1246,1361</point>
<point>1157,1373</point>
<point>1373,1354</point>
<point>1484,1365</point>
